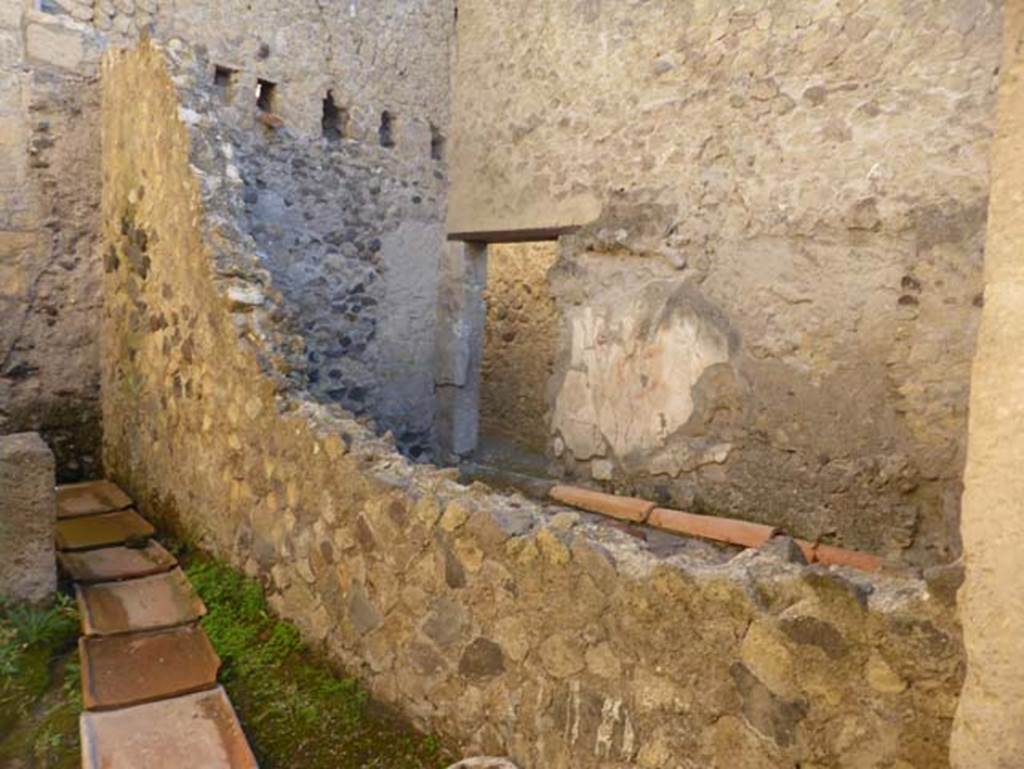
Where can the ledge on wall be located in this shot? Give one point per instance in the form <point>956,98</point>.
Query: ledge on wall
<point>513,236</point>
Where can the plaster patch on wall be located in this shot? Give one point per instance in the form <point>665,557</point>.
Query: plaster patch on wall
<point>632,368</point>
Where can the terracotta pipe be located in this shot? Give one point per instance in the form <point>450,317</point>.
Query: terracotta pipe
<point>623,508</point>
<point>728,530</point>
<point>838,556</point>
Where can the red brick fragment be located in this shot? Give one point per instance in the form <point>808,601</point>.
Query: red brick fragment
<point>270,120</point>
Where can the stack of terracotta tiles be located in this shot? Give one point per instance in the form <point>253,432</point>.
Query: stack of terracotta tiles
<point>149,673</point>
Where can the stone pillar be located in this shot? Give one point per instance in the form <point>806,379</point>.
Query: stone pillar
<point>988,732</point>
<point>28,515</point>
<point>461,318</point>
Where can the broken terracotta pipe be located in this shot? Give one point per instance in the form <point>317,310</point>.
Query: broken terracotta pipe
<point>623,508</point>
<point>750,534</point>
<point>728,530</point>
<point>838,556</point>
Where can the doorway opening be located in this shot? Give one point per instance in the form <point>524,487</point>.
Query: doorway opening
<point>500,329</point>
<point>520,342</point>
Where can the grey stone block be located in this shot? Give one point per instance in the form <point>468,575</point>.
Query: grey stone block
<point>28,516</point>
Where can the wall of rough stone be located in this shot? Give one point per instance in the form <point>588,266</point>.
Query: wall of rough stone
<point>782,209</point>
<point>351,233</point>
<point>508,626</point>
<point>49,201</point>
<point>351,230</point>
<point>353,241</point>
<point>520,342</point>
<point>28,519</point>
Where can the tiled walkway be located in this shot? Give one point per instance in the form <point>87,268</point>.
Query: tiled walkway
<point>149,673</point>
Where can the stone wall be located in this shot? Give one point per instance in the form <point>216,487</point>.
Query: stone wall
<point>520,342</point>
<point>28,519</point>
<point>782,209</point>
<point>49,210</point>
<point>351,233</point>
<point>351,230</point>
<point>508,626</point>
<point>987,734</point>
<point>763,223</point>
<point>349,224</point>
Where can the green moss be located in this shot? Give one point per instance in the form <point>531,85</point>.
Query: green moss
<point>296,711</point>
<point>40,695</point>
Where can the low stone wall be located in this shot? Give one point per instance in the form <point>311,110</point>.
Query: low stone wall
<point>510,627</point>
<point>28,517</point>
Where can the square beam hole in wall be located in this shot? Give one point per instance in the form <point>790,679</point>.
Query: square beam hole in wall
<point>335,120</point>
<point>386,133</point>
<point>436,143</point>
<point>224,81</point>
<point>266,95</point>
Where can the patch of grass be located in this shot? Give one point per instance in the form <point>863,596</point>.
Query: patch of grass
<point>40,695</point>
<point>296,711</point>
